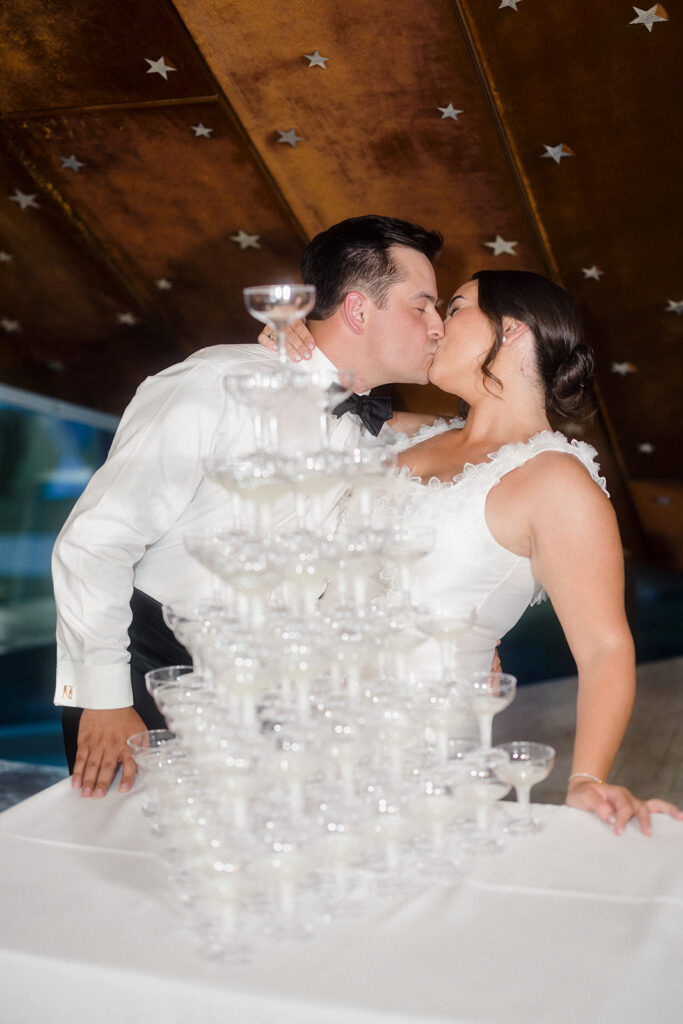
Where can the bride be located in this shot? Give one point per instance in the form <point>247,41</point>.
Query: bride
<point>519,509</point>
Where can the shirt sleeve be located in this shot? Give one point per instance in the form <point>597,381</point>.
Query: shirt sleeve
<point>150,476</point>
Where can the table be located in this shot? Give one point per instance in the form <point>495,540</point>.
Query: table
<point>572,925</point>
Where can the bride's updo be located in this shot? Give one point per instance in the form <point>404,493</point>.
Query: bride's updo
<point>563,359</point>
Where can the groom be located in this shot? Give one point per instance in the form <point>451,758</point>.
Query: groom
<point>121,553</point>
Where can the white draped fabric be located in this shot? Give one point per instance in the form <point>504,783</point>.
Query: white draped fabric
<point>571,925</point>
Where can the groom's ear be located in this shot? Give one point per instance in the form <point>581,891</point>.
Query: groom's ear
<point>354,311</point>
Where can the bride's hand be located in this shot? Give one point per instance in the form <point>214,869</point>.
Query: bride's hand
<point>299,341</point>
<point>617,805</point>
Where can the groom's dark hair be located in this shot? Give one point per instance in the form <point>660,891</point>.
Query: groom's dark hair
<point>355,255</point>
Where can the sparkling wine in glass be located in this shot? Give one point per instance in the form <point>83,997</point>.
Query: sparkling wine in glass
<point>280,306</point>
<point>529,763</point>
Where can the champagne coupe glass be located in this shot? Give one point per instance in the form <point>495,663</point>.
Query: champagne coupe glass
<point>405,546</point>
<point>264,393</point>
<point>445,622</point>
<point>152,750</point>
<point>529,763</point>
<point>169,674</point>
<point>279,306</point>
<point>258,479</point>
<point>188,620</point>
<point>322,390</point>
<point>480,786</point>
<point>486,694</point>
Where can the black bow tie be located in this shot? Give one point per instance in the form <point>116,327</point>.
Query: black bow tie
<point>374,412</point>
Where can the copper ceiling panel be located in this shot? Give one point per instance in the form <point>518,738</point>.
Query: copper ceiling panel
<point>67,53</point>
<point>59,305</point>
<point>608,94</point>
<point>374,139</point>
<point>164,203</point>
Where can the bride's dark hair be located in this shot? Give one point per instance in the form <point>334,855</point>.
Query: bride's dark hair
<point>563,359</point>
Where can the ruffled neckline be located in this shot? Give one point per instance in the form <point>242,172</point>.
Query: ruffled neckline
<point>504,459</point>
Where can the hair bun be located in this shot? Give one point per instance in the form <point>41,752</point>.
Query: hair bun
<point>570,393</point>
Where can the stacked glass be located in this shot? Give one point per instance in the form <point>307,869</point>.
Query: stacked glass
<point>306,773</point>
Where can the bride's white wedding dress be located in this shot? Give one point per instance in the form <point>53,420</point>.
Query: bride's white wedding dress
<point>468,570</point>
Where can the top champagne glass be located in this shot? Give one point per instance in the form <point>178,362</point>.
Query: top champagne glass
<point>279,306</point>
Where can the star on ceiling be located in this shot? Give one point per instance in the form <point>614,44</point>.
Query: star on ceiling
<point>509,3</point>
<point>449,111</point>
<point>201,131</point>
<point>25,201</point>
<point>500,246</point>
<point>674,307</point>
<point>290,137</point>
<point>315,60</point>
<point>245,240</point>
<point>70,163</point>
<point>5,257</point>
<point>10,326</point>
<point>623,369</point>
<point>649,17</point>
<point>163,284</point>
<point>556,152</point>
<point>646,448</point>
<point>159,67</point>
<point>127,318</point>
<point>592,272</point>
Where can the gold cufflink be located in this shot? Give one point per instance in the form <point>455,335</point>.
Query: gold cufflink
<point>68,693</point>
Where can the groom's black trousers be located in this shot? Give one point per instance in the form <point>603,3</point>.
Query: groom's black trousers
<point>152,645</point>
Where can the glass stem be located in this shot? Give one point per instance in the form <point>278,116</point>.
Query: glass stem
<point>485,723</point>
<point>523,799</point>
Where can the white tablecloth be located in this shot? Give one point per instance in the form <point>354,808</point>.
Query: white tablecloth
<point>573,925</point>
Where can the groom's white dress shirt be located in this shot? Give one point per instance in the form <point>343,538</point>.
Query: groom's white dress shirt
<point>128,528</point>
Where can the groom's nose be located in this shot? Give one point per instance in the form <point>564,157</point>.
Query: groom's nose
<point>435,326</point>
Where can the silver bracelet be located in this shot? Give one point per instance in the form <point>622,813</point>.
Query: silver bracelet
<point>585,775</point>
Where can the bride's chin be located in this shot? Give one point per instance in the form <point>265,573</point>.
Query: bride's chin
<point>441,381</point>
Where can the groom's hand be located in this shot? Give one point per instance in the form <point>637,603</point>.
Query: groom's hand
<point>102,747</point>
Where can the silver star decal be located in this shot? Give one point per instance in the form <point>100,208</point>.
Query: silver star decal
<point>509,3</point>
<point>290,137</point>
<point>649,17</point>
<point>5,257</point>
<point>70,163</point>
<point>500,246</point>
<point>246,241</point>
<point>623,369</point>
<point>674,307</point>
<point>646,448</point>
<point>315,60</point>
<point>163,284</point>
<point>10,326</point>
<point>592,272</point>
<point>449,111</point>
<point>25,201</point>
<point>200,131</point>
<point>159,67</point>
<point>127,318</point>
<point>556,152</point>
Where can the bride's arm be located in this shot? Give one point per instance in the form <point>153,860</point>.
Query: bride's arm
<point>576,555</point>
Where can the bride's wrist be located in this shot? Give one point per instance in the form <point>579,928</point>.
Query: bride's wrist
<point>582,778</point>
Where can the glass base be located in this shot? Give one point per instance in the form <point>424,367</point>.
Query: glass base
<point>477,846</point>
<point>522,827</point>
